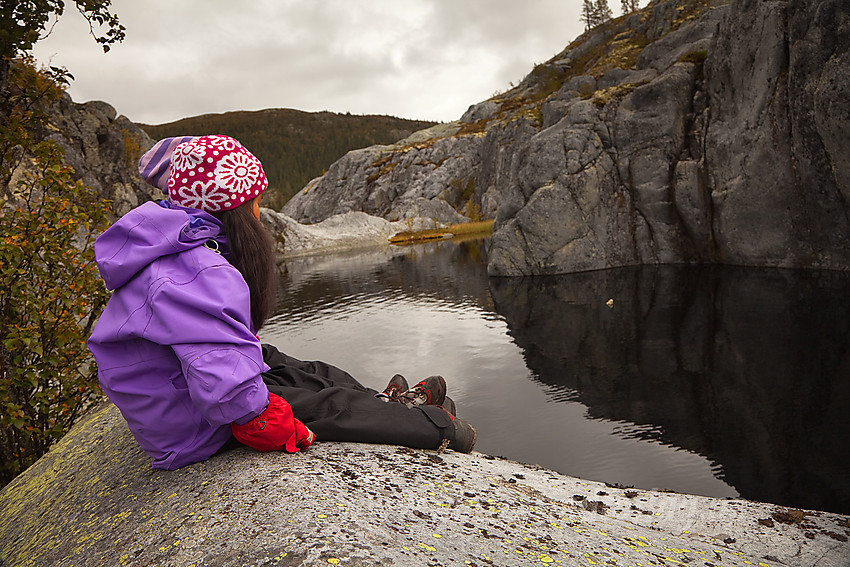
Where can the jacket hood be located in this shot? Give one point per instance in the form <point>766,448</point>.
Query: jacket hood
<point>148,232</point>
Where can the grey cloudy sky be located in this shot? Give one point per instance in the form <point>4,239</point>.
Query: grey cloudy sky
<point>424,59</point>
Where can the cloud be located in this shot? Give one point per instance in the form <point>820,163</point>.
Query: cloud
<point>425,59</point>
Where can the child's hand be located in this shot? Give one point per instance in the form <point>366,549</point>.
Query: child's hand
<point>303,443</point>
<point>276,429</point>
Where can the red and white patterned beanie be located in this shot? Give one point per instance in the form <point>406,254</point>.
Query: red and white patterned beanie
<point>214,173</point>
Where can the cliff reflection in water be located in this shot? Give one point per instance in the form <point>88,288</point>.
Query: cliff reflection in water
<point>747,367</point>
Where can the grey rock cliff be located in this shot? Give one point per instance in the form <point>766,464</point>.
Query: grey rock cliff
<point>413,179</point>
<point>689,132</point>
<point>774,76</point>
<point>104,149</point>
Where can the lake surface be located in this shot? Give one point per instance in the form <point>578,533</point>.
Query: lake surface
<point>713,381</point>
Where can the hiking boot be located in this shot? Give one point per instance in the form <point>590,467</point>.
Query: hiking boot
<point>393,391</point>
<point>449,405</point>
<point>461,436</point>
<point>429,392</point>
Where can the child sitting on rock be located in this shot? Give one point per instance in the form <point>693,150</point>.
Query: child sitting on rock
<point>194,279</point>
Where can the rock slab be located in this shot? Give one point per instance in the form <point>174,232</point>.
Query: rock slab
<point>94,500</point>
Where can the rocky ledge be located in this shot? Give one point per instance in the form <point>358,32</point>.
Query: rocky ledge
<point>94,500</point>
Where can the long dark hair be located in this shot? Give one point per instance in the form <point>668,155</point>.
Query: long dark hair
<point>252,253</point>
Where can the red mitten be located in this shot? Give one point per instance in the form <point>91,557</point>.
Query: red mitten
<point>276,429</point>
<point>304,436</point>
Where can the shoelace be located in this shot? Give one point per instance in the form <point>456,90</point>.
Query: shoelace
<point>416,396</point>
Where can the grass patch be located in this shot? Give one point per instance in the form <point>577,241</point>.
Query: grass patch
<point>482,228</point>
<point>695,57</point>
<point>388,167</point>
<point>473,128</point>
<point>622,51</point>
<point>603,96</point>
<point>385,163</point>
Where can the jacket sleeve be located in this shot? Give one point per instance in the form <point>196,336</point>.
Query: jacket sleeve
<point>205,318</point>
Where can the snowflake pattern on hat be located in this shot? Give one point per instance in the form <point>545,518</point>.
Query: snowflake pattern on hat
<point>203,196</point>
<point>237,172</point>
<point>214,173</point>
<point>186,156</point>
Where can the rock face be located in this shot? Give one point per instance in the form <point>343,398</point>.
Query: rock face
<point>93,500</point>
<point>104,150</point>
<point>689,132</point>
<point>776,73</point>
<point>401,184</point>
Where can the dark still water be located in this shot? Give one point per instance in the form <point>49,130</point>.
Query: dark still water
<point>712,381</point>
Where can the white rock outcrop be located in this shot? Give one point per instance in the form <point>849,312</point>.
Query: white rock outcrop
<point>341,232</point>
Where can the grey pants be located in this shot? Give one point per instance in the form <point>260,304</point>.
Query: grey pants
<point>336,407</point>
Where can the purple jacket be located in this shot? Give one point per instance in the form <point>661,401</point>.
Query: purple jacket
<point>174,347</point>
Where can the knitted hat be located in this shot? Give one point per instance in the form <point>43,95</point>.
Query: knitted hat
<point>155,165</point>
<point>214,173</point>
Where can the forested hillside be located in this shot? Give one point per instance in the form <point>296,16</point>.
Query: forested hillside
<point>294,146</point>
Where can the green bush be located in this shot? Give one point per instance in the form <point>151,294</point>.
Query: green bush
<point>50,289</point>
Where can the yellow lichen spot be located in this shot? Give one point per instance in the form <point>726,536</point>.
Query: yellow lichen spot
<point>333,560</point>
<point>546,559</point>
<point>426,547</point>
<point>404,547</point>
<point>171,496</point>
<point>438,536</point>
<point>322,516</point>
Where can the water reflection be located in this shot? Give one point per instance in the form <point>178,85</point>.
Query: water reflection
<point>746,367</point>
<point>708,381</point>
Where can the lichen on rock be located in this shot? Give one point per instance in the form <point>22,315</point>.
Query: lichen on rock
<point>94,500</point>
